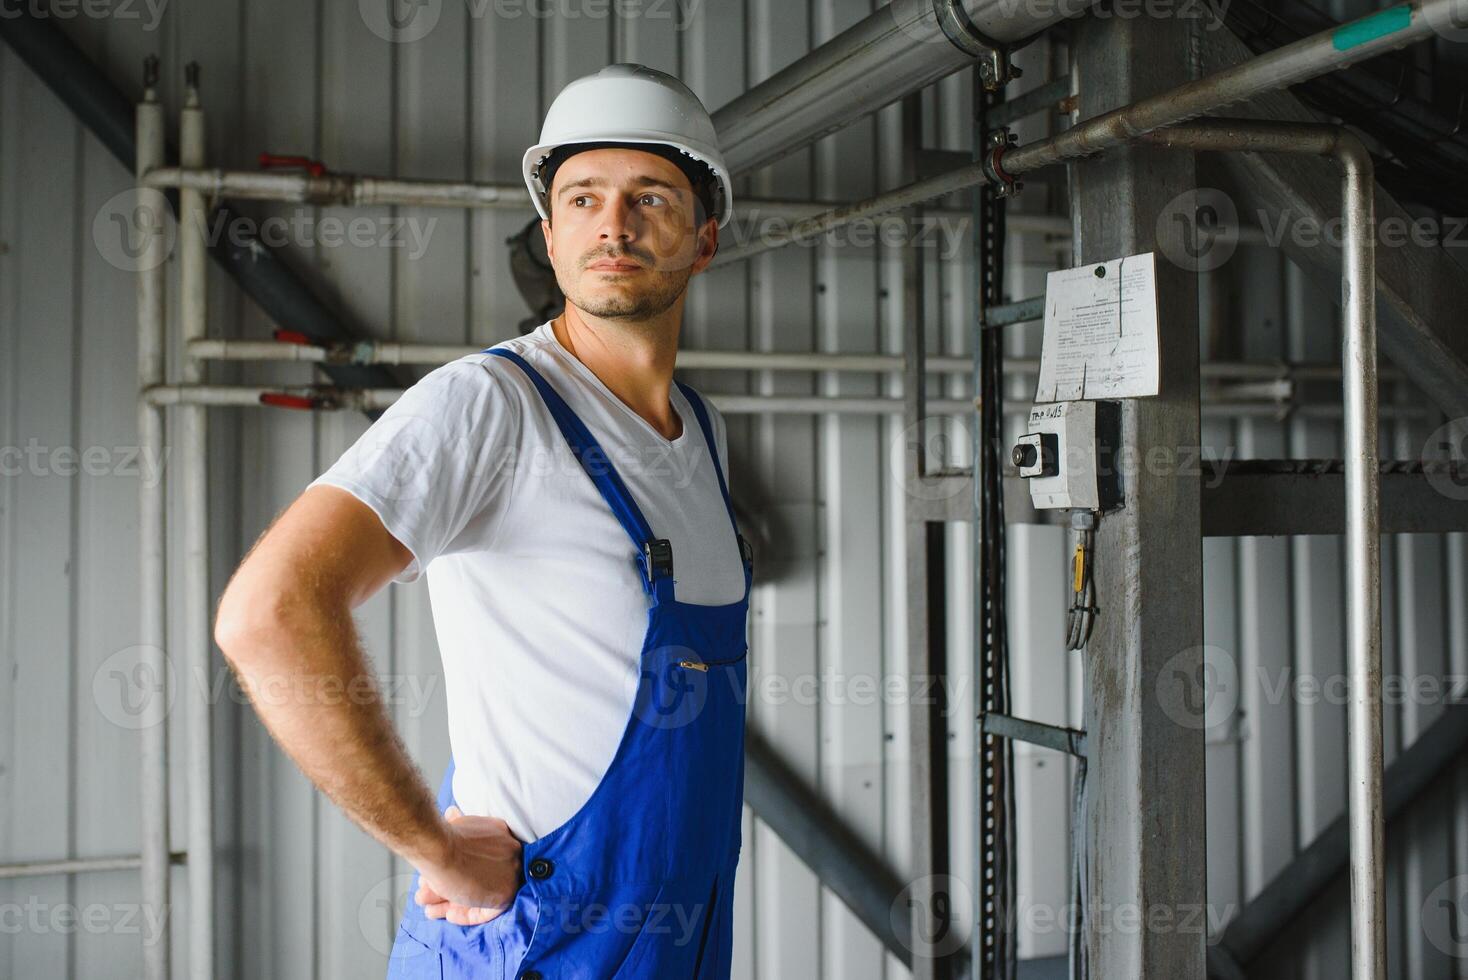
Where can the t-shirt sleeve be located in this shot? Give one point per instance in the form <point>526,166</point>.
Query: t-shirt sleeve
<point>437,466</point>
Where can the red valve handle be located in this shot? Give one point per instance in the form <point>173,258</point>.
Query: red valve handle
<point>270,161</point>
<point>282,400</point>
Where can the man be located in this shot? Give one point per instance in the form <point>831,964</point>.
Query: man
<point>589,589</point>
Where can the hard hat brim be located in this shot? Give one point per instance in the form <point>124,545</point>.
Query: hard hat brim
<point>708,157</point>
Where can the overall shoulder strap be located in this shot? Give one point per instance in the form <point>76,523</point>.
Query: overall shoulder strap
<point>708,437</point>
<point>655,554</point>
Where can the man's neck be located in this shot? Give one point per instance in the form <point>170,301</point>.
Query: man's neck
<point>634,361</point>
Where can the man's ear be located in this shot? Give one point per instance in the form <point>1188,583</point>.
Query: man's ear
<point>550,248</point>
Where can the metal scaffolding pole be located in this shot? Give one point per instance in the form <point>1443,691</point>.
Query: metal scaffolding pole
<point>197,645</point>
<point>152,607</point>
<point>1363,496</point>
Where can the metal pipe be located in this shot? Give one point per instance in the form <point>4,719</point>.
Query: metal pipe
<point>1363,495</point>
<point>387,352</point>
<point>1348,44</point>
<point>1068,740</point>
<point>327,398</point>
<point>193,439</point>
<point>342,189</point>
<point>76,866</point>
<point>896,51</point>
<point>153,736</point>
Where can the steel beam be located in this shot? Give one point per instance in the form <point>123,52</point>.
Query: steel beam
<point>854,873</point>
<point>1422,292</point>
<point>1275,497</point>
<point>1300,882</point>
<point>1145,836</point>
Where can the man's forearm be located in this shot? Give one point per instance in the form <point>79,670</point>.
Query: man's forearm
<point>311,685</point>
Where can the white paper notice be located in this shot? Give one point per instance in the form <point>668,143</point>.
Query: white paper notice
<point>1100,331</point>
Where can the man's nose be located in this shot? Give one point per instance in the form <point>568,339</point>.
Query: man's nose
<point>618,220</point>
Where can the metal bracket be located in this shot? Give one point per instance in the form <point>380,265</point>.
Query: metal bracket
<point>995,68</point>
<point>993,163</point>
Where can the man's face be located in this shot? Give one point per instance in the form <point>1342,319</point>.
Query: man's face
<point>622,236</point>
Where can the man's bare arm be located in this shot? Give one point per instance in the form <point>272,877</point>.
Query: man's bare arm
<point>285,625</point>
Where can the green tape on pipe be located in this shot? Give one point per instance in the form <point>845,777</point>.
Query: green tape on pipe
<point>1368,29</point>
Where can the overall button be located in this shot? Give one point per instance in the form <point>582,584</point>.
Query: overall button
<point>541,869</point>
<point>530,975</point>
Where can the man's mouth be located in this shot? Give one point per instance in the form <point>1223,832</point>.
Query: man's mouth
<point>615,265</point>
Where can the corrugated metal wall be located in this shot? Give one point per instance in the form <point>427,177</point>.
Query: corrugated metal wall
<point>303,892</point>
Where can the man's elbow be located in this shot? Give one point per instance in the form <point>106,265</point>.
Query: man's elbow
<point>249,620</point>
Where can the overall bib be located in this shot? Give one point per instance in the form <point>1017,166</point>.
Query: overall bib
<point>640,881</point>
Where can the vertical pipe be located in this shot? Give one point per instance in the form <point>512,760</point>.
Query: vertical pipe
<point>1363,565</point>
<point>193,440</point>
<point>151,214</point>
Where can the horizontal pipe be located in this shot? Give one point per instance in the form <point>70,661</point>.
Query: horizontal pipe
<point>76,866</point>
<point>1067,740</point>
<point>247,396</point>
<point>387,352</point>
<point>895,51</point>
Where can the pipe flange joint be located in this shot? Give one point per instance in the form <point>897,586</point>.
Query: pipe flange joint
<point>995,68</point>
<point>1004,183</point>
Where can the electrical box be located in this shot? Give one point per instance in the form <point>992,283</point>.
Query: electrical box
<point>1068,455</point>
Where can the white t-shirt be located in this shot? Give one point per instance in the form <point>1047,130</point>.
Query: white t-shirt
<point>537,599</point>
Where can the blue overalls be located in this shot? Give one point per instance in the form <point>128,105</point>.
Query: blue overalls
<point>640,881</point>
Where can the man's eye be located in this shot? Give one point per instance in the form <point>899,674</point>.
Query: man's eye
<point>655,198</point>
<point>578,198</point>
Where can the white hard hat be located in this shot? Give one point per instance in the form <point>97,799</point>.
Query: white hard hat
<point>629,103</point>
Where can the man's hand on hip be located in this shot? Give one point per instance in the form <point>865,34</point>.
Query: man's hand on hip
<point>480,875</point>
